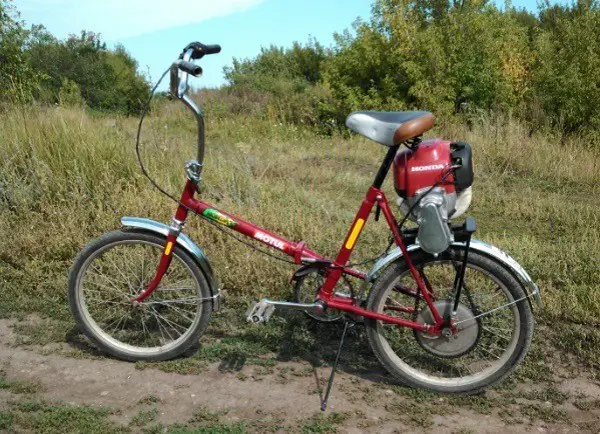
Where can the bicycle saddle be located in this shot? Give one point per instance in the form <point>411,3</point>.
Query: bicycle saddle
<point>390,128</point>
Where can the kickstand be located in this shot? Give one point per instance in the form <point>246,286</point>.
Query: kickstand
<point>332,375</point>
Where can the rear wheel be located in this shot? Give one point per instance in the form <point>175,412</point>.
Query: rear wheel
<point>488,343</point>
<point>109,273</point>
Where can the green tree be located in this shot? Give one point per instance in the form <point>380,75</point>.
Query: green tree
<point>287,81</point>
<point>70,94</point>
<point>108,80</point>
<point>432,54</point>
<point>566,74</point>
<point>18,80</point>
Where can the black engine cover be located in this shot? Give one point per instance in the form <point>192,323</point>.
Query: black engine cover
<point>462,156</point>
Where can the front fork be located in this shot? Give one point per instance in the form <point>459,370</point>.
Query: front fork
<point>174,231</point>
<point>163,265</point>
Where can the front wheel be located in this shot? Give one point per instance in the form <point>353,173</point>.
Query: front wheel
<point>111,271</point>
<point>494,323</point>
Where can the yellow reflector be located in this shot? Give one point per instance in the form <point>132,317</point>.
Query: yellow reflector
<point>355,233</point>
<point>168,248</point>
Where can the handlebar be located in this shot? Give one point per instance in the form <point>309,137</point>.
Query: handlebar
<point>192,51</point>
<point>180,70</point>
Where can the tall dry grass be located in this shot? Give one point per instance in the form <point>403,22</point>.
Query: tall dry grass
<point>67,176</point>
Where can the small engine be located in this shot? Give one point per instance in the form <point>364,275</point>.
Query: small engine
<point>433,180</point>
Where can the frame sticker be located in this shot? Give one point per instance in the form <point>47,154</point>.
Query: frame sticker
<point>216,216</point>
<point>355,233</point>
<point>268,239</point>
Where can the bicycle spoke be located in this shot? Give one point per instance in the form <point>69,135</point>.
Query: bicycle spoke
<point>120,272</point>
<point>108,289</point>
<point>181,312</point>
<point>118,323</point>
<point>99,273</point>
<point>171,323</point>
<point>171,289</point>
<point>161,326</point>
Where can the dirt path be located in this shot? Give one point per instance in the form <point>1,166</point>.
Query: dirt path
<point>281,398</point>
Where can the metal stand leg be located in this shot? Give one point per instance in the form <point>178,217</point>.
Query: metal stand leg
<point>469,228</point>
<point>332,375</point>
<point>460,277</point>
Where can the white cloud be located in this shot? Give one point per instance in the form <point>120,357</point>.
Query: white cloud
<point>119,19</point>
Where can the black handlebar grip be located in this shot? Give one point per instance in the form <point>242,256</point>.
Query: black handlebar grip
<point>190,68</point>
<point>200,50</point>
<point>212,49</point>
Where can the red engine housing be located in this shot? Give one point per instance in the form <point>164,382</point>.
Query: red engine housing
<point>423,167</point>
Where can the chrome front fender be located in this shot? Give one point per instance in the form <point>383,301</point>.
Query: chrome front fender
<point>493,252</point>
<point>183,241</point>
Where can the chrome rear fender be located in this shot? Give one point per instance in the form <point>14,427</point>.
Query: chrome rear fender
<point>185,243</point>
<point>484,248</point>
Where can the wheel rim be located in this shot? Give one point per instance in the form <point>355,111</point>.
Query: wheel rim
<point>500,330</point>
<point>112,276</point>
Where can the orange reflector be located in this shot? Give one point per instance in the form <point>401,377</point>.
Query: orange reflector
<point>168,248</point>
<point>355,233</point>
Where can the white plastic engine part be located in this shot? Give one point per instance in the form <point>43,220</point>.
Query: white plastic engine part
<point>463,201</point>
<point>430,210</point>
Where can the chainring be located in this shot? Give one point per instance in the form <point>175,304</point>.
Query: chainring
<point>307,287</point>
<point>466,338</point>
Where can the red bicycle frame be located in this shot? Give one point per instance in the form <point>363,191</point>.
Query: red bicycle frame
<point>303,255</point>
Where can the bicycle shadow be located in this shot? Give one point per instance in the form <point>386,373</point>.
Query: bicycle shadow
<point>78,341</point>
<point>356,357</point>
<point>294,337</point>
<point>299,338</point>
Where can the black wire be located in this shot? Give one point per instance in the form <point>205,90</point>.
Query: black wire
<point>137,141</point>
<point>235,237</point>
<point>174,199</point>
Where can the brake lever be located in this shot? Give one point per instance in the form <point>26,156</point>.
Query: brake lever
<point>198,50</point>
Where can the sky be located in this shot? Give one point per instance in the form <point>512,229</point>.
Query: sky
<point>155,31</point>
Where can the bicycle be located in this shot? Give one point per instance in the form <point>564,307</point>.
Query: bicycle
<point>443,311</point>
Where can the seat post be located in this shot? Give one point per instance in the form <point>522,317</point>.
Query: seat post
<point>385,166</point>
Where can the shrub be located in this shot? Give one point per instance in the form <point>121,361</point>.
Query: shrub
<point>566,76</point>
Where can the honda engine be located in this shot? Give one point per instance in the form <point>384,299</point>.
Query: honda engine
<point>433,180</point>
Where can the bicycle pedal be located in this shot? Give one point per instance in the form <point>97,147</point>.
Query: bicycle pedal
<point>260,312</point>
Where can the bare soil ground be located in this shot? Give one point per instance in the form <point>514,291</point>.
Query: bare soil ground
<point>56,387</point>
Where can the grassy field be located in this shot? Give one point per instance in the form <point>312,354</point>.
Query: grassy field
<point>66,176</point>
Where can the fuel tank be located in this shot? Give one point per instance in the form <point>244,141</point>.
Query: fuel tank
<point>416,169</point>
